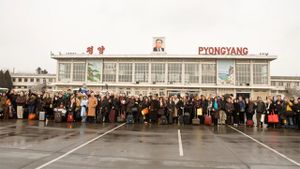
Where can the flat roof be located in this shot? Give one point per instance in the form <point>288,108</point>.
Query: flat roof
<point>31,75</point>
<point>285,77</point>
<point>159,56</point>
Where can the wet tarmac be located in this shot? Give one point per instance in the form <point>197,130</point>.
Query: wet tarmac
<point>32,144</point>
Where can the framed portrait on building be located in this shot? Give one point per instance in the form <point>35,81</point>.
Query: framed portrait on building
<point>94,72</point>
<point>226,72</point>
<point>159,44</point>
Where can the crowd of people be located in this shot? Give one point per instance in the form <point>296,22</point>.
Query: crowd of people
<point>104,108</point>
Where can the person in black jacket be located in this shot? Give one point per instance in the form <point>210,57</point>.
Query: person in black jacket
<point>236,112</point>
<point>297,110</point>
<point>229,111</point>
<point>154,107</point>
<point>260,110</point>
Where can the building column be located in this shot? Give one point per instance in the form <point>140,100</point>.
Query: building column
<point>251,73</point>
<point>117,71</point>
<point>166,73</point>
<point>133,73</point>
<point>149,73</point>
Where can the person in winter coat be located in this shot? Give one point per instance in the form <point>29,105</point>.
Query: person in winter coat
<point>229,107</point>
<point>222,111</point>
<point>236,112</point>
<point>250,109</point>
<point>4,106</point>
<point>242,110</point>
<point>20,101</point>
<point>145,105</point>
<point>154,107</point>
<point>215,110</point>
<point>83,111</point>
<point>288,111</point>
<point>260,109</point>
<point>297,110</point>
<point>170,109</point>
<point>92,103</point>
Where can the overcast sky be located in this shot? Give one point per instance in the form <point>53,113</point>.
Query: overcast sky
<point>30,29</point>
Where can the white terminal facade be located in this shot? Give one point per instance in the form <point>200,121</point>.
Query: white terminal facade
<point>164,74</point>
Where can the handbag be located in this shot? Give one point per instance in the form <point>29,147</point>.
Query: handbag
<point>145,111</point>
<point>199,112</point>
<point>273,118</point>
<point>31,116</point>
<point>262,118</point>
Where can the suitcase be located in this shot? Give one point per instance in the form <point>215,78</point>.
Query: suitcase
<point>207,120</point>
<point>70,117</point>
<point>42,116</point>
<point>121,118</point>
<point>57,117</point>
<point>31,116</point>
<point>180,119</point>
<point>20,112</point>
<point>99,117</point>
<point>250,123</point>
<point>186,118</point>
<point>112,116</point>
<point>129,119</point>
<point>163,120</point>
<point>196,121</point>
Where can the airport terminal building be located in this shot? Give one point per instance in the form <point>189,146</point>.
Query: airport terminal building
<point>166,74</point>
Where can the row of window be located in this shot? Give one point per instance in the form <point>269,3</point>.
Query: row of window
<point>26,87</point>
<point>32,80</point>
<point>140,72</point>
<point>285,84</point>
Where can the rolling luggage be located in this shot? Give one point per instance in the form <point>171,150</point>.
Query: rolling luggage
<point>129,119</point>
<point>196,121</point>
<point>163,120</point>
<point>112,116</point>
<point>208,119</point>
<point>20,112</point>
<point>99,117</point>
<point>42,116</point>
<point>57,116</point>
<point>70,117</point>
<point>250,123</point>
<point>186,118</point>
<point>31,116</point>
<point>180,119</point>
<point>121,118</point>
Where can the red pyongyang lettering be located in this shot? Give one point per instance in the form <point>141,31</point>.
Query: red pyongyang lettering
<point>223,51</point>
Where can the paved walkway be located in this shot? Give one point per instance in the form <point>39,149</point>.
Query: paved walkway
<point>34,144</point>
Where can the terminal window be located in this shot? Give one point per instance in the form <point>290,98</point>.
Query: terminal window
<point>242,74</point>
<point>79,72</point>
<point>125,72</point>
<point>158,72</point>
<point>260,74</point>
<point>141,72</point>
<point>191,73</point>
<point>174,72</point>
<point>64,72</point>
<point>109,72</point>
<point>208,73</point>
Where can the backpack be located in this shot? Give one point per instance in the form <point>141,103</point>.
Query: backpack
<point>216,106</point>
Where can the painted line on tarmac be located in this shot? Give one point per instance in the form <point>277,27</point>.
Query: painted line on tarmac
<point>80,146</point>
<point>268,147</point>
<point>180,144</point>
